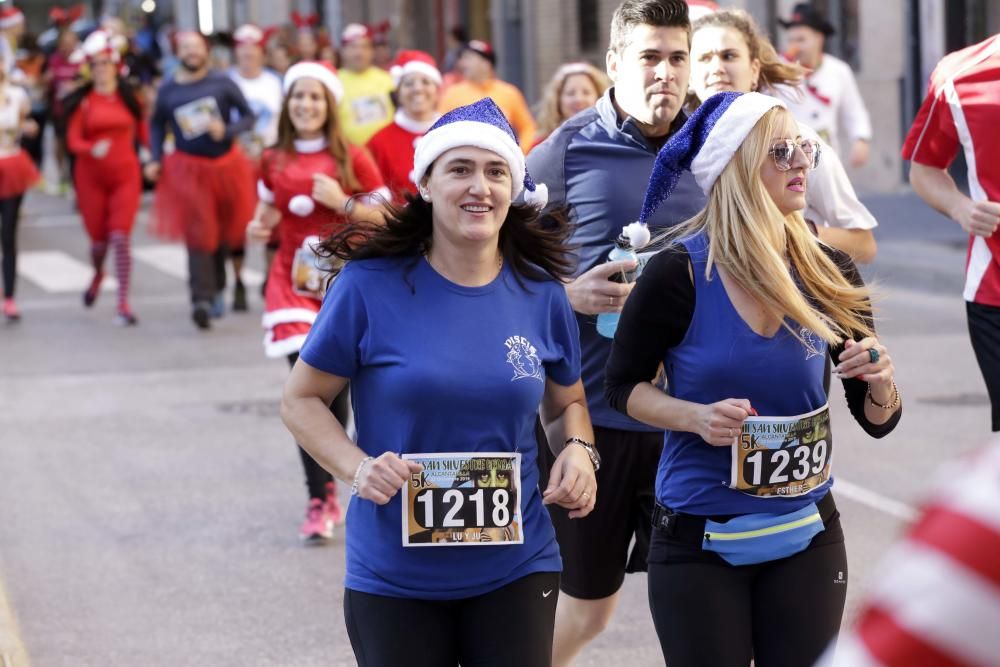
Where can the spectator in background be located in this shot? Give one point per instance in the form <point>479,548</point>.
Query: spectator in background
<point>962,111</point>
<point>306,42</point>
<point>31,63</point>
<point>261,88</point>
<point>11,29</point>
<point>418,84</point>
<point>279,55</point>
<point>380,41</point>
<point>573,88</point>
<point>477,64</point>
<point>62,76</point>
<point>454,41</point>
<point>367,106</point>
<point>830,102</point>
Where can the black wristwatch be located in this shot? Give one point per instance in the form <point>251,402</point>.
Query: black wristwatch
<point>595,458</point>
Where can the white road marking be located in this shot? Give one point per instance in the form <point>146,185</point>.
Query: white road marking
<point>877,501</point>
<point>172,260</point>
<point>56,271</point>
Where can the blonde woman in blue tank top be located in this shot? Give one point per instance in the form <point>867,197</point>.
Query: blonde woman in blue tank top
<point>747,559</point>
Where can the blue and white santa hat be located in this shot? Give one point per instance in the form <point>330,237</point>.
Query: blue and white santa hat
<point>705,144</point>
<point>481,125</point>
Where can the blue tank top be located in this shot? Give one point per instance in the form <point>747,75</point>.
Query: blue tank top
<point>721,357</point>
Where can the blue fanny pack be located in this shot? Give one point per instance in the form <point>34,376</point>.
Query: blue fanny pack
<point>759,538</point>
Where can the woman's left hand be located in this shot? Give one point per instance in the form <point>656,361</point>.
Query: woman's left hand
<point>856,362</point>
<point>327,191</point>
<point>572,482</point>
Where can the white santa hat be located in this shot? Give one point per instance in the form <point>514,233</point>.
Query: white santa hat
<point>323,72</point>
<point>481,125</point>
<point>355,31</point>
<point>99,43</point>
<point>414,62</point>
<point>700,8</point>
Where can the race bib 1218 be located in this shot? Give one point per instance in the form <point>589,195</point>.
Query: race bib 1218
<point>463,498</point>
<point>783,456</point>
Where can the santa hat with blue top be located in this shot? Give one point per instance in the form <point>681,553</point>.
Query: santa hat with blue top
<point>705,144</point>
<point>481,125</point>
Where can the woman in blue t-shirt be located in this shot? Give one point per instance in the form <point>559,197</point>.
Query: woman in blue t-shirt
<point>453,327</point>
<point>747,557</point>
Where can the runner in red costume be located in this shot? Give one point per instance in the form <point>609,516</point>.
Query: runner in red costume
<point>310,177</point>
<point>105,119</point>
<point>418,87</point>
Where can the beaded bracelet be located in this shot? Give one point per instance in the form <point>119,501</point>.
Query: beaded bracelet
<point>891,406</point>
<point>357,473</point>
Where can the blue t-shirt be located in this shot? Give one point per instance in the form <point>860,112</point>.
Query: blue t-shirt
<point>721,357</point>
<point>600,164</point>
<point>431,371</point>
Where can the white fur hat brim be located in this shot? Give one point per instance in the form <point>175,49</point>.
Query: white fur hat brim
<point>469,133</point>
<point>728,135</point>
<point>314,70</point>
<point>415,67</point>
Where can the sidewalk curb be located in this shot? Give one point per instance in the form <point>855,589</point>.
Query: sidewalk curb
<point>12,651</point>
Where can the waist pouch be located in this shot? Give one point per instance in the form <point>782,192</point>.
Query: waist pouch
<point>759,538</point>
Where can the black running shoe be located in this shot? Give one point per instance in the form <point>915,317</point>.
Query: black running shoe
<point>200,315</point>
<point>239,298</point>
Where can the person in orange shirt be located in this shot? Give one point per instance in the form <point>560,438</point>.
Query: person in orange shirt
<point>477,64</point>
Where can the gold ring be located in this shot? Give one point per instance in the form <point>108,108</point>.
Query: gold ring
<point>586,495</point>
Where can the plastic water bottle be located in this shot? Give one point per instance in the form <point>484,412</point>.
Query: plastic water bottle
<point>607,323</point>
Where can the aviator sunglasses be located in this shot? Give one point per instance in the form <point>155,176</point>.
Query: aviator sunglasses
<point>783,153</point>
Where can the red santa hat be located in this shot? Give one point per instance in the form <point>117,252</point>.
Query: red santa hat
<point>99,43</point>
<point>248,33</point>
<point>10,17</point>
<point>355,31</point>
<point>414,62</point>
<point>322,71</point>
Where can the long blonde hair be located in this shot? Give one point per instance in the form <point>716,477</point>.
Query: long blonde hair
<point>549,117</point>
<point>757,245</point>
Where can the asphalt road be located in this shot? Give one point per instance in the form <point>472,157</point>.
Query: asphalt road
<point>150,497</point>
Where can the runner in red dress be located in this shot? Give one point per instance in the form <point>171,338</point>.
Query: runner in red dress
<point>310,177</point>
<point>105,119</point>
<point>418,86</point>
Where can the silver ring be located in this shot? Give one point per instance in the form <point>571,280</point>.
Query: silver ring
<point>873,355</point>
<point>730,431</point>
<point>611,301</point>
<point>586,495</point>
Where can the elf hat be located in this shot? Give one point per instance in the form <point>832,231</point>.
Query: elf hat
<point>705,144</point>
<point>481,125</point>
<point>322,71</point>
<point>412,62</point>
<point>10,17</point>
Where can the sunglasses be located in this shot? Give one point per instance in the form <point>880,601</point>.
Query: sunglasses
<point>783,153</point>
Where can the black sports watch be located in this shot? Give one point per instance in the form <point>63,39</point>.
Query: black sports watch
<point>595,458</point>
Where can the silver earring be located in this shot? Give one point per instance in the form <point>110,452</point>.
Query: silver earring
<point>425,195</point>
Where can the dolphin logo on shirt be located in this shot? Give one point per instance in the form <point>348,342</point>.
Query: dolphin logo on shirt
<point>523,356</point>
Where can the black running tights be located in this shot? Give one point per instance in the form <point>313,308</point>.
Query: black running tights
<point>10,208</point>
<point>780,614</point>
<point>316,476</point>
<point>509,627</point>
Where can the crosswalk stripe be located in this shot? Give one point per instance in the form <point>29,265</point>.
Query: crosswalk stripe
<point>172,260</point>
<point>56,271</point>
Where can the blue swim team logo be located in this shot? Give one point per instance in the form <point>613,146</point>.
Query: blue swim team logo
<point>523,356</point>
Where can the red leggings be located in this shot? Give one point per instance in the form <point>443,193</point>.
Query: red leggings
<point>108,196</point>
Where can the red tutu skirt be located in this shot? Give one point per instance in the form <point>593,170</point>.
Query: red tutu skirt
<point>17,174</point>
<point>207,202</point>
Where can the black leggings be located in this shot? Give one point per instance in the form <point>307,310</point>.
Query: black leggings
<point>509,627</point>
<point>316,475</point>
<point>984,330</point>
<point>709,613</point>
<point>10,209</point>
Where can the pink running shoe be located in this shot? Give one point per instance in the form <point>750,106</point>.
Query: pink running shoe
<point>318,527</point>
<point>332,506</point>
<point>10,310</point>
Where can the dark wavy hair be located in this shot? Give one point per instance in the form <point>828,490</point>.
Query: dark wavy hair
<point>126,91</point>
<point>533,243</point>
